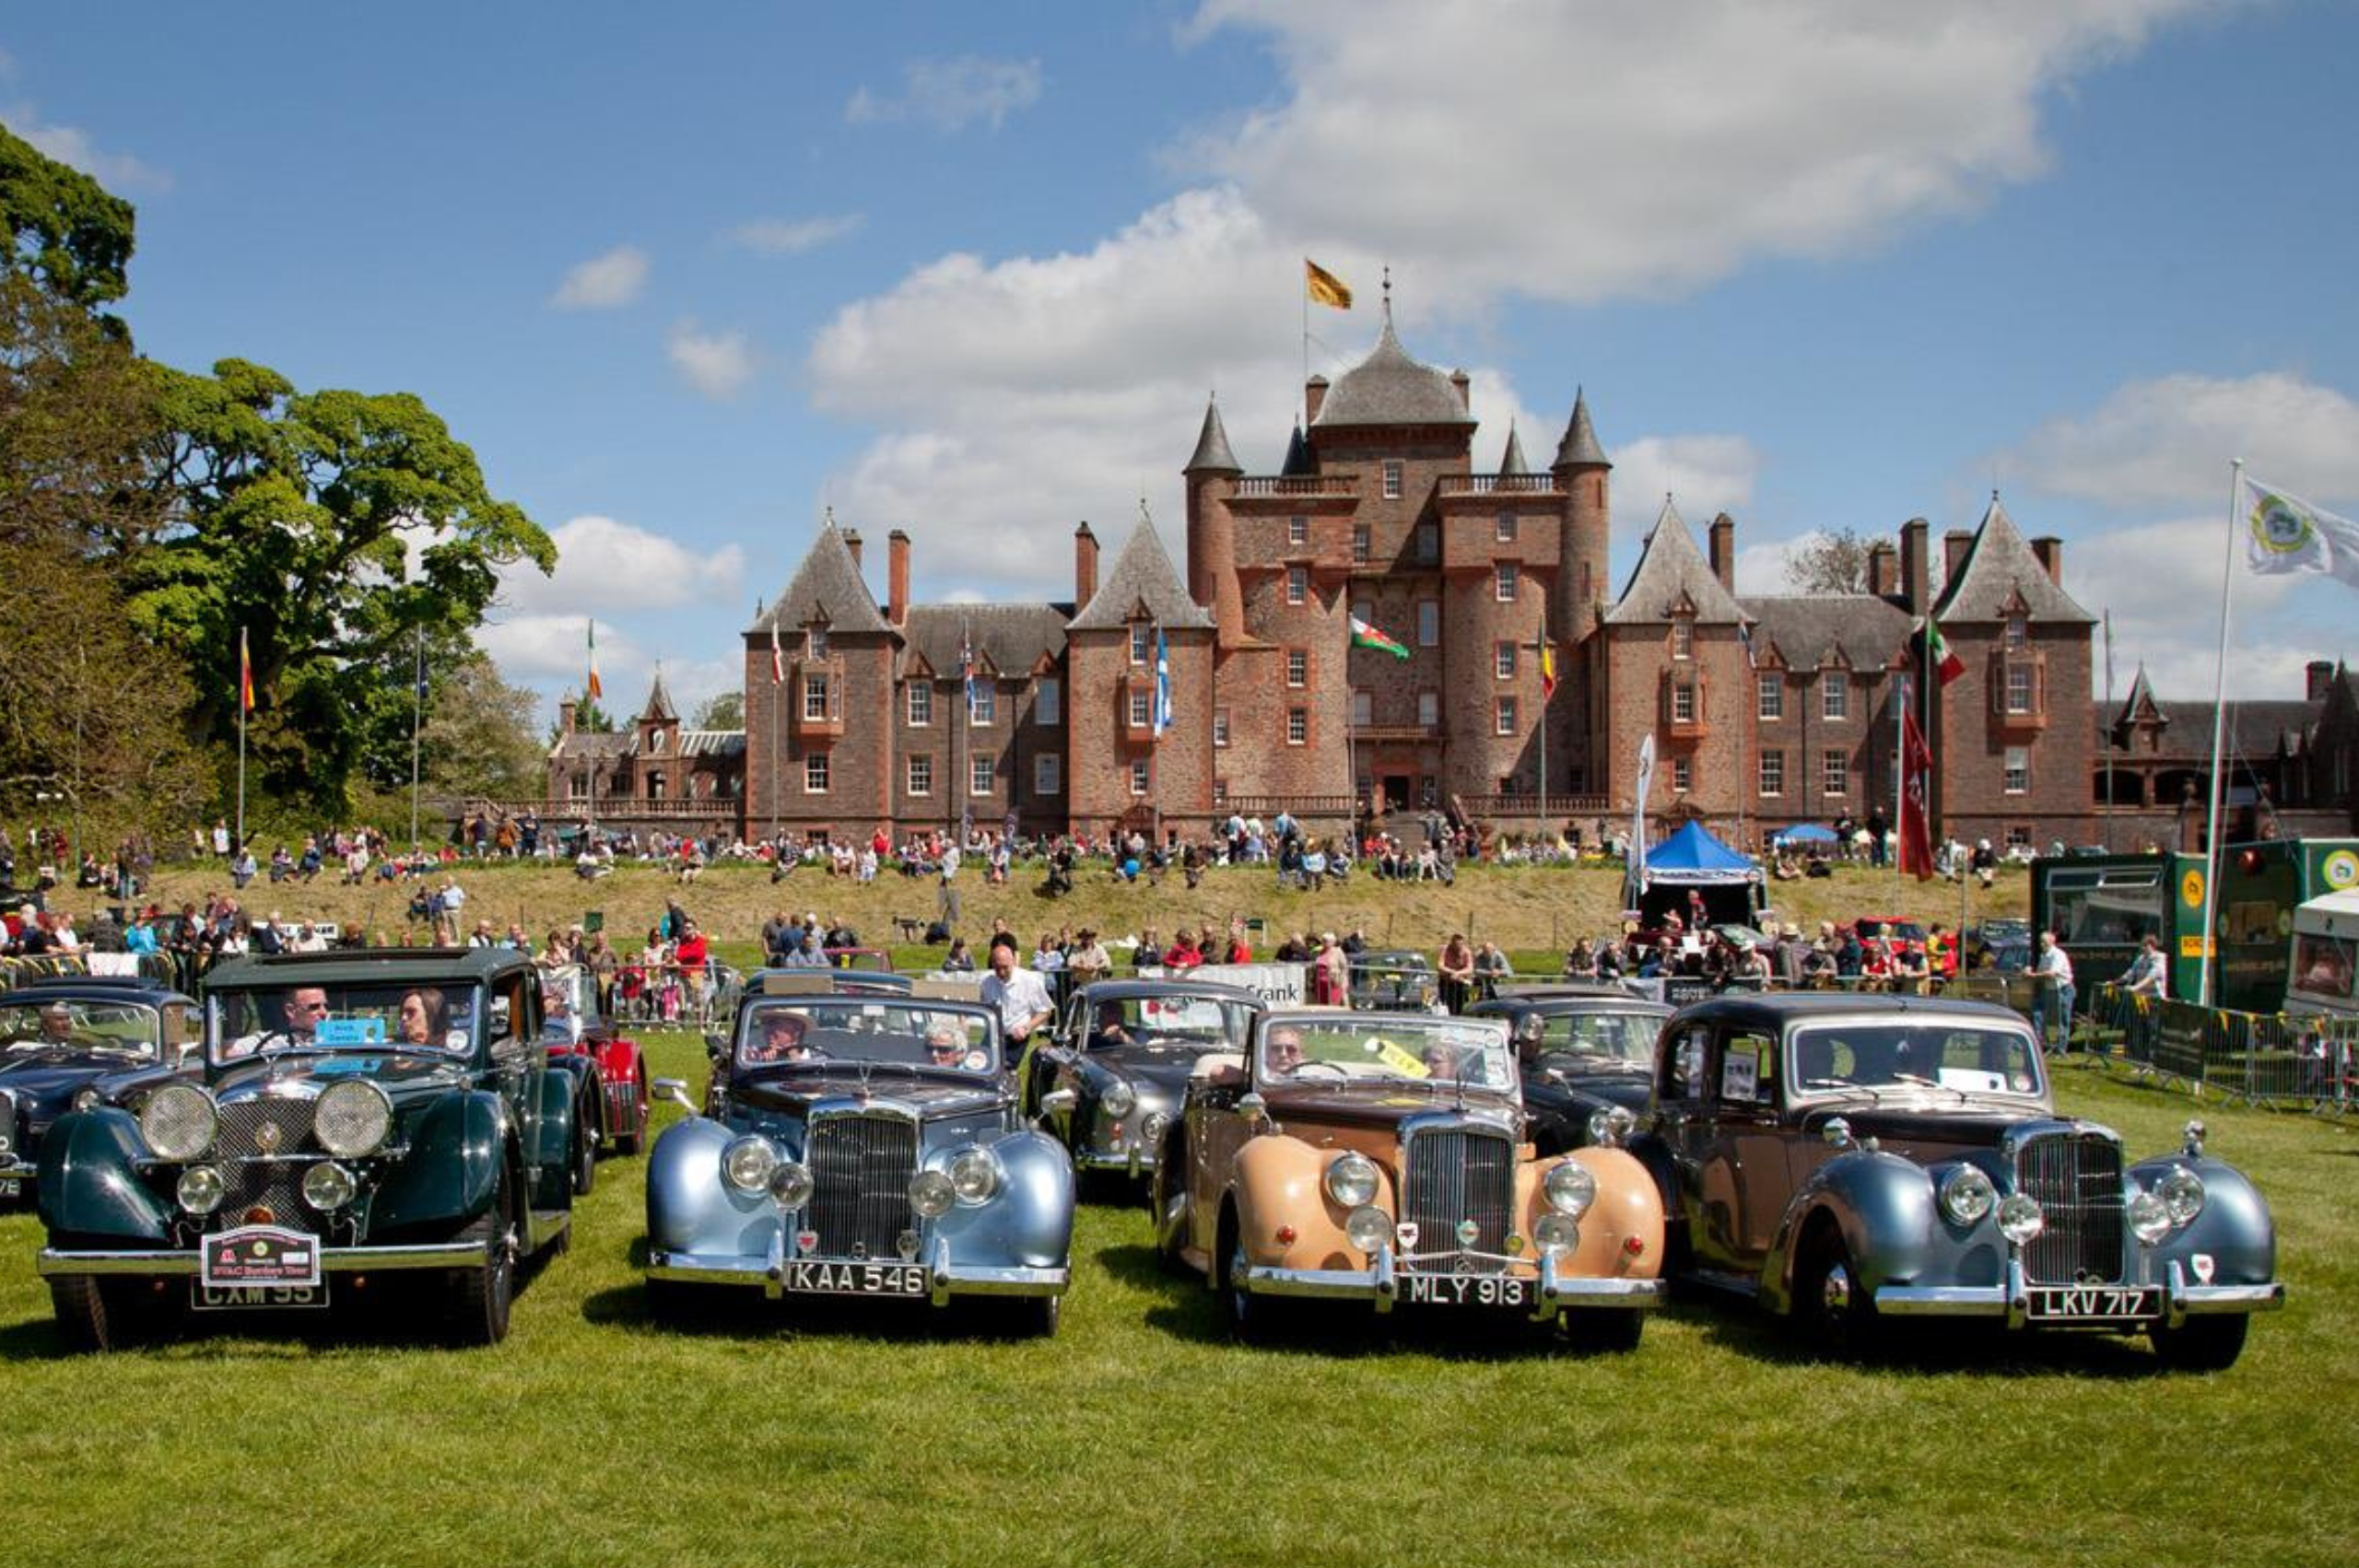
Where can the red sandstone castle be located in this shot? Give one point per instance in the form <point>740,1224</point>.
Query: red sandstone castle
<point>1765,711</point>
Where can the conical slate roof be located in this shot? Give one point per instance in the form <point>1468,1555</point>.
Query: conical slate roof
<point>1389,388</point>
<point>1143,575</point>
<point>1580,444</point>
<point>659,702</point>
<point>2000,565</point>
<point>826,587</point>
<point>1298,464</point>
<point>1213,455</point>
<point>1512,461</point>
<point>1669,568</point>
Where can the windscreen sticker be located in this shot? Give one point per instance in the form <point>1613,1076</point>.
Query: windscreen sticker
<point>1739,1073</point>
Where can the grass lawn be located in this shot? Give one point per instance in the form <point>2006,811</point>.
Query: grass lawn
<point>1141,1435</point>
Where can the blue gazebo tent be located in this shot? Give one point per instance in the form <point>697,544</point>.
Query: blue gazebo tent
<point>1692,860</point>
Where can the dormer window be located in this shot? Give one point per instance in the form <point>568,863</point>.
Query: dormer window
<point>815,640</point>
<point>1138,642</point>
<point>2018,633</point>
<point>1682,638</point>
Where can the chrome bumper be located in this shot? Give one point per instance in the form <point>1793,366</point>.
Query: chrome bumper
<point>1133,1161</point>
<point>163,1261</point>
<point>17,1168</point>
<point>944,1279</point>
<point>2011,1301</point>
<point>1552,1290</point>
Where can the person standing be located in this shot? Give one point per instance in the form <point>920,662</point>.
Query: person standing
<point>2054,999</point>
<point>1457,969</point>
<point>1019,996</point>
<point>2147,975</point>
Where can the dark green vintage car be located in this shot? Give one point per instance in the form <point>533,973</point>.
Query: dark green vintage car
<point>368,1127</point>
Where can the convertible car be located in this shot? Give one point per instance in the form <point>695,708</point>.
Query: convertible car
<point>1125,1048</point>
<point>860,1145</point>
<point>1848,1159</point>
<point>75,1041</point>
<point>612,1107</point>
<point>1586,1053</point>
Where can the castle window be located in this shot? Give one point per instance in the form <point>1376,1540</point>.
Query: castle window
<point>1837,773</point>
<point>1361,543</point>
<point>1220,726</point>
<point>1429,709</point>
<point>1428,623</point>
<point>921,775</point>
<point>1682,638</point>
<point>1503,661</point>
<point>1297,531</point>
<point>1139,637</point>
<point>1503,716</point>
<point>814,774</point>
<point>1363,708</point>
<point>2019,687</point>
<point>985,706</point>
<point>921,704</point>
<point>1833,695</point>
<point>2018,633</point>
<point>1297,726</point>
<point>1142,713</point>
<point>1048,701</point>
<point>2018,775</point>
<point>1506,524</point>
<point>1773,697</point>
<point>1682,703</point>
<point>1773,773</point>
<point>1682,774</point>
<point>1297,666</point>
<point>815,640</point>
<point>983,773</point>
<point>814,696</point>
<point>1142,776</point>
<point>1504,585</point>
<point>1048,773</point>
<point>1428,543</point>
<point>1391,478</point>
<point>1297,584</point>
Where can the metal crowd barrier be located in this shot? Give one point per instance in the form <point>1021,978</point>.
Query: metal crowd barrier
<point>2268,1060</point>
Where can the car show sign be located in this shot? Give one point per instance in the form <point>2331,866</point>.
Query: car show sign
<point>260,1255</point>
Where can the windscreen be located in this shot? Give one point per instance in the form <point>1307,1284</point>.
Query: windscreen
<point>1318,1048</point>
<point>122,1028</point>
<point>876,1031</point>
<point>385,1016</point>
<point>1833,1057</point>
<point>1184,1023</point>
<point>1594,1039</point>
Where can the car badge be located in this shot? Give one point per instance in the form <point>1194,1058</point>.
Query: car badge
<point>2203,1268</point>
<point>807,1241</point>
<point>1468,1231</point>
<point>859,1252</point>
<point>258,1247</point>
<point>267,1137</point>
<point>1407,1231</point>
<point>908,1243</point>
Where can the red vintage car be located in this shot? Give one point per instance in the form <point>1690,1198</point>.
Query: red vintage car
<point>612,1111</point>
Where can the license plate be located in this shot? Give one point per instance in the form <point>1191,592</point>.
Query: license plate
<point>1463,1290</point>
<point>2094,1303</point>
<point>856,1279</point>
<point>203,1297</point>
<point>11,1186</point>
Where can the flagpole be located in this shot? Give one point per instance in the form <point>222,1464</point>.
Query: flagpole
<point>1899,766</point>
<point>416,722</point>
<point>245,685</point>
<point>2107,735</point>
<point>2218,737</point>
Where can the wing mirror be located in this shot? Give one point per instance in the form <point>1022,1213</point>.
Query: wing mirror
<point>1254,1108</point>
<point>1058,1102</point>
<point>675,1090</point>
<point>1837,1133</point>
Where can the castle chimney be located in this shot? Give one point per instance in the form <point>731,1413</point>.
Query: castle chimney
<point>1884,569</point>
<point>1722,541</point>
<point>2320,673</point>
<point>2050,553</point>
<point>1955,545</point>
<point>897,577</point>
<point>1085,567</point>
<point>1465,384</point>
<point>851,543</point>
<point>1314,397</point>
<point>1914,591</point>
<point>565,715</point>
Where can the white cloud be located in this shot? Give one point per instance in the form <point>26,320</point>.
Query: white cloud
<point>551,647</point>
<point>610,567</point>
<point>605,282</point>
<point>1702,475</point>
<point>781,237</point>
<point>717,364</point>
<point>2167,443</point>
<point>73,145</point>
<point>952,94</point>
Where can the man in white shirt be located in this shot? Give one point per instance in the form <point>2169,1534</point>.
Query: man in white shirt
<point>2053,962</point>
<point>1018,994</point>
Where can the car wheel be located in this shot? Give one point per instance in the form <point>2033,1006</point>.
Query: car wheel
<point>1168,1204</point>
<point>2201,1344</point>
<point>1037,1317</point>
<point>481,1296</point>
<point>1603,1329</point>
<point>1830,1309</point>
<point>90,1315</point>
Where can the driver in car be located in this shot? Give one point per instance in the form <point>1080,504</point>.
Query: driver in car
<point>1109,1030</point>
<point>1283,1053</point>
<point>58,1024</point>
<point>303,1010</point>
<point>781,1039</point>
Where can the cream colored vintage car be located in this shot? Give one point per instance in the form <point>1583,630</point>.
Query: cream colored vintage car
<point>1382,1157</point>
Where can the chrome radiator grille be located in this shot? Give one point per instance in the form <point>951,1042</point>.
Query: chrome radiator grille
<point>253,1179</point>
<point>2076,1176</point>
<point>1450,1175</point>
<point>861,1167</point>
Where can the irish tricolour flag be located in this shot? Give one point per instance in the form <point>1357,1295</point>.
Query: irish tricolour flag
<point>1366,636</point>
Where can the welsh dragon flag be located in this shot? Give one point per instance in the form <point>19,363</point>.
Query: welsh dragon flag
<point>1366,636</point>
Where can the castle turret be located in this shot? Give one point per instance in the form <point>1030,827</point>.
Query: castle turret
<point>1212,476</point>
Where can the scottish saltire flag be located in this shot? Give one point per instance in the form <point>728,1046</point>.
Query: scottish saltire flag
<point>2284,535</point>
<point>1162,683</point>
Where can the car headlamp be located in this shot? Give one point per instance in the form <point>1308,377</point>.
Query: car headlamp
<point>201,1189</point>
<point>1556,1234</point>
<point>1610,1127</point>
<point>352,1118</point>
<point>1152,1130</point>
<point>327,1185</point>
<point>1118,1098</point>
<point>1351,1179</point>
<point>2149,1216</point>
<point>2020,1218</point>
<point>792,1184</point>
<point>2182,1194</point>
<point>931,1194</point>
<point>748,1163</point>
<point>1569,1188</point>
<point>86,1098</point>
<point>1967,1195</point>
<point>179,1121</point>
<point>1367,1228</point>
<point>974,1175</point>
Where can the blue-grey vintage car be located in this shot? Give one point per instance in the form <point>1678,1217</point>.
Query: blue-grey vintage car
<point>860,1145</point>
<point>69,1042</point>
<point>1125,1048</point>
<point>1848,1159</point>
<point>367,1125</point>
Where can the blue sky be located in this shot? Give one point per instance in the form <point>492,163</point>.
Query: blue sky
<point>971,271</point>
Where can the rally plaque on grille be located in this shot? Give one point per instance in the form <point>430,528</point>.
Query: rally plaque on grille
<point>259,1254</point>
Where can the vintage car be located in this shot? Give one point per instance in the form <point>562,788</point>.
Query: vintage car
<point>1382,1158</point>
<point>612,1106</point>
<point>364,1122</point>
<point>1125,1048</point>
<point>1847,1160</point>
<point>1393,981</point>
<point>74,1041</point>
<point>860,1145</point>
<point>1586,1054</point>
<point>847,982</point>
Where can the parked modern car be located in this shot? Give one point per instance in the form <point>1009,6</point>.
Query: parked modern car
<point>1125,1048</point>
<point>362,1119</point>
<point>612,1107</point>
<point>74,1041</point>
<point>860,1145</point>
<point>1381,1158</point>
<point>1849,1158</point>
<point>1586,1054</point>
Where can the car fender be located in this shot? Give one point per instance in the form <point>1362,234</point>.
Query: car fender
<point>558,1093</point>
<point>1276,1180</point>
<point>621,1068</point>
<point>2235,1231</point>
<point>88,1184</point>
<point>1028,1224</point>
<point>691,1208</point>
<point>1883,1205</point>
<point>1628,1209</point>
<point>457,1145</point>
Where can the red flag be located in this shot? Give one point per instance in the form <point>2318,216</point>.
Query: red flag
<point>1916,796</point>
<point>1946,665</point>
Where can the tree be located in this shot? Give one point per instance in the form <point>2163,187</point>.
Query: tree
<point>592,719</point>
<point>1829,562</point>
<point>725,711</point>
<point>331,528</point>
<point>65,232</point>
<point>478,741</point>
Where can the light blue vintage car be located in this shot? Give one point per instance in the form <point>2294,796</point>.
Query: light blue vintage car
<point>860,1145</point>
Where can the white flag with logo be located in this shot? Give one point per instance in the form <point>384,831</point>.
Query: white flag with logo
<point>2285,534</point>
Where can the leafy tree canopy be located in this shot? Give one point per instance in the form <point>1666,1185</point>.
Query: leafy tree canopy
<point>65,232</point>
<point>725,711</point>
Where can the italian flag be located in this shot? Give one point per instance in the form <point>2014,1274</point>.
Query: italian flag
<point>1366,636</point>
<point>1947,665</point>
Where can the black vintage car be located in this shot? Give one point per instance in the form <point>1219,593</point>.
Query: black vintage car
<point>74,1041</point>
<point>1587,1055</point>
<point>1393,979</point>
<point>364,1121</point>
<point>1852,1159</point>
<point>1125,1048</point>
